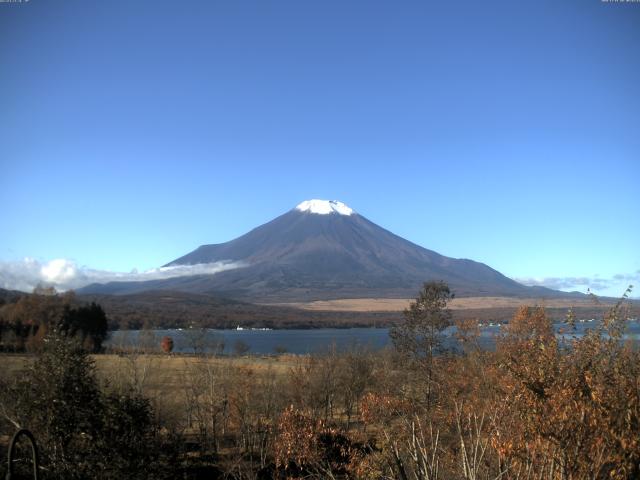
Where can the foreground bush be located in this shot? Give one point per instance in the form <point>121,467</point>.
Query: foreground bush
<point>82,432</point>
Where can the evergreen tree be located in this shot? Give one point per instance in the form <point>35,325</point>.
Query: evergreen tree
<point>87,322</point>
<point>82,432</point>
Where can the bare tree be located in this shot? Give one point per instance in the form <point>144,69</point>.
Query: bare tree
<point>355,375</point>
<point>196,338</point>
<point>240,347</point>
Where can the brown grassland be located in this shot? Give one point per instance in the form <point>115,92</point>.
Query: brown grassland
<point>462,303</point>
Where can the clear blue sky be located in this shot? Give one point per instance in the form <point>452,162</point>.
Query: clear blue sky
<point>503,131</point>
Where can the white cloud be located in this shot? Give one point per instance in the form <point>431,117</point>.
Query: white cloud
<point>59,271</point>
<point>65,274</point>
<point>614,285</point>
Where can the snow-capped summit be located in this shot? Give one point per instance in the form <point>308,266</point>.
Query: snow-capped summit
<point>324,207</point>
<point>323,250</point>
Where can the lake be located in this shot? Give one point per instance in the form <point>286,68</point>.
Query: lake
<point>265,342</point>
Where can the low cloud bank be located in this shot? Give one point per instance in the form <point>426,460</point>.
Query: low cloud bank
<point>596,283</point>
<point>65,274</point>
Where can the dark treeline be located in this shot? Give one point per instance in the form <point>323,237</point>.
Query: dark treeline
<point>182,310</point>
<point>160,309</point>
<point>26,320</point>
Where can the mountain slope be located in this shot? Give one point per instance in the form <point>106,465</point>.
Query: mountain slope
<point>322,250</point>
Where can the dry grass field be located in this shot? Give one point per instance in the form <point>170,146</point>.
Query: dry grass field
<point>399,304</point>
<point>170,381</point>
<point>159,375</point>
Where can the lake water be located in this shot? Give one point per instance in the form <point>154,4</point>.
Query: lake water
<point>265,342</point>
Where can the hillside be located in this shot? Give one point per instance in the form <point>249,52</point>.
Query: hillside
<point>324,250</point>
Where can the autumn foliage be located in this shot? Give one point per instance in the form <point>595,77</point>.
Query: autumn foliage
<point>166,344</point>
<point>572,409</point>
<point>539,406</point>
<point>25,323</point>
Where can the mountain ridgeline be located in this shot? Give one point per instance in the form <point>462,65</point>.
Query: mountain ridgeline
<point>324,250</point>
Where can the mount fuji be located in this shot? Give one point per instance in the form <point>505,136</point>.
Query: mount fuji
<point>323,250</point>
